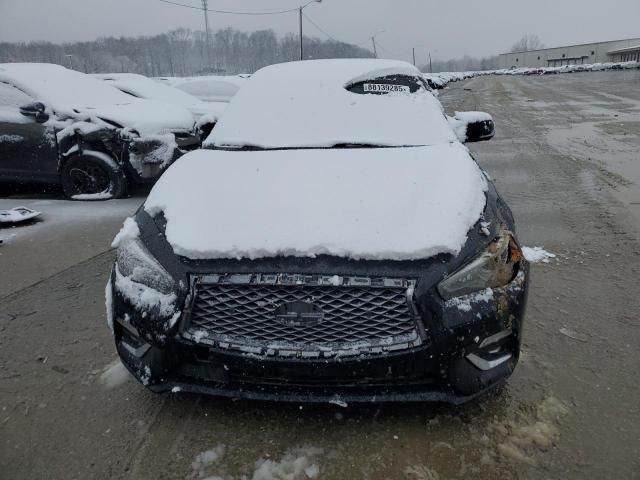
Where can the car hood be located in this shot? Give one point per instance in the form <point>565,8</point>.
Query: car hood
<point>359,203</point>
<point>212,110</point>
<point>144,116</point>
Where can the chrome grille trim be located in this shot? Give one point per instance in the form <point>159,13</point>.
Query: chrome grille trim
<point>362,315</point>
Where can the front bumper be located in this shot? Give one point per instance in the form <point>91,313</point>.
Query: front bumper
<point>454,364</point>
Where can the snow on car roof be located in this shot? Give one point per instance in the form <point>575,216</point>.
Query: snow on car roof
<point>76,94</point>
<point>306,104</point>
<point>59,87</point>
<point>144,87</point>
<point>363,203</point>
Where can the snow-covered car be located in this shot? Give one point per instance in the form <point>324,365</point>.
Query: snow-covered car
<point>361,253</point>
<point>62,126</point>
<point>210,88</point>
<point>205,114</point>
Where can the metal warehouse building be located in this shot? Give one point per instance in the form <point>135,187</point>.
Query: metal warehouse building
<point>601,52</point>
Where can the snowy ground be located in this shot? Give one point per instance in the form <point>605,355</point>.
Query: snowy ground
<point>66,233</point>
<point>68,410</point>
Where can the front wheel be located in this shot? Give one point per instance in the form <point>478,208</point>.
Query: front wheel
<point>92,175</point>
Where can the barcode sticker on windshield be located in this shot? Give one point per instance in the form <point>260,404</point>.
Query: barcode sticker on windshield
<point>385,88</point>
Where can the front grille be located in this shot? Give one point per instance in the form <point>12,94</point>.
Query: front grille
<point>350,315</point>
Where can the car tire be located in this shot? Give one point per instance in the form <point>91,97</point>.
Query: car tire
<point>92,175</point>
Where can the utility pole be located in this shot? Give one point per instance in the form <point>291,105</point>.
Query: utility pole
<point>430,66</point>
<point>300,12</point>
<point>414,56</point>
<point>206,28</point>
<point>375,52</point>
<point>302,7</point>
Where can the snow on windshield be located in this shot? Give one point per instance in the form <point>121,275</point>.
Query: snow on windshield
<point>306,104</point>
<point>364,203</point>
<point>59,87</point>
<point>144,87</point>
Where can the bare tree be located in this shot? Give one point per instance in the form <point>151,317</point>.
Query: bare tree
<point>180,52</point>
<point>528,42</point>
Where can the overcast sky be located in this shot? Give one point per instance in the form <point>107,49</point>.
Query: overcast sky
<point>446,28</point>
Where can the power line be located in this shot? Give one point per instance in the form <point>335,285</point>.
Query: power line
<point>228,12</point>
<point>389,52</point>
<point>320,28</point>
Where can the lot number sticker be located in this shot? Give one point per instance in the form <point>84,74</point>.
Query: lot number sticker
<point>385,88</point>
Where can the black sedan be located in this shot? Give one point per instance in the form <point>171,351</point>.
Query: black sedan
<point>335,242</point>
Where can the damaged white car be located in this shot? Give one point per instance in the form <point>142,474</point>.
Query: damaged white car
<point>62,126</point>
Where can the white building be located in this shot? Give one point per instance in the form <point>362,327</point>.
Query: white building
<point>600,52</point>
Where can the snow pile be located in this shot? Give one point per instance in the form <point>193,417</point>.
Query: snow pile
<point>18,214</point>
<point>203,461</point>
<point>421,472</point>
<point>525,436</point>
<point>129,231</point>
<point>115,374</point>
<point>11,138</point>
<point>307,104</point>
<point>537,254</point>
<point>296,464</point>
<point>368,203</point>
<point>106,195</point>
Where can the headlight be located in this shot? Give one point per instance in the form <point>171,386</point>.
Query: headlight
<point>136,263</point>
<point>492,269</point>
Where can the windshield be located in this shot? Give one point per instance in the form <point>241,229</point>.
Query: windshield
<point>324,103</point>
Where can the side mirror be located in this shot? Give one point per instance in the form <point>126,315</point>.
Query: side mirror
<point>472,126</point>
<point>36,111</point>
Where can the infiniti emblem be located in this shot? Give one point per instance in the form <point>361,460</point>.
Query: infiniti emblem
<point>299,314</point>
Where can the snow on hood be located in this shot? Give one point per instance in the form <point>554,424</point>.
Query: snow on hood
<point>363,203</point>
<point>144,87</point>
<point>306,104</point>
<point>80,96</point>
<point>146,116</point>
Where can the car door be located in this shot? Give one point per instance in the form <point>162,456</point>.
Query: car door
<point>28,148</point>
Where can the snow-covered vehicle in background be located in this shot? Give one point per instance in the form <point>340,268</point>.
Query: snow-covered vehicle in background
<point>362,254</point>
<point>205,114</point>
<point>62,126</point>
<point>209,88</point>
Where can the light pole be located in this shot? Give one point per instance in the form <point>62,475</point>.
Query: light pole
<point>70,61</point>
<point>302,7</point>
<point>206,28</point>
<point>373,41</point>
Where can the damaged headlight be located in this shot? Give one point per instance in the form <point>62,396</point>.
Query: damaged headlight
<point>494,268</point>
<point>136,263</point>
